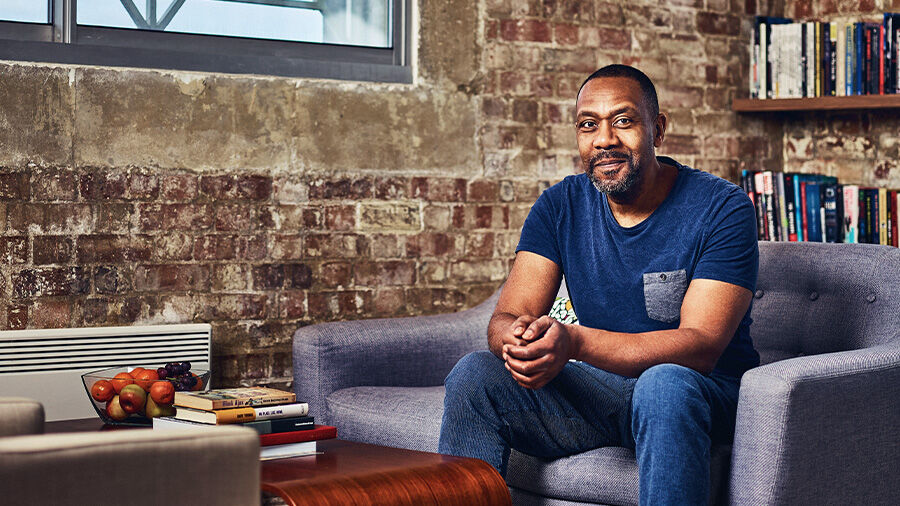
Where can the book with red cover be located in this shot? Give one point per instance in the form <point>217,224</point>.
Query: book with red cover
<point>318,433</point>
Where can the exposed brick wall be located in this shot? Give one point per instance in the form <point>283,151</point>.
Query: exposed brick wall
<point>262,204</point>
<point>857,147</point>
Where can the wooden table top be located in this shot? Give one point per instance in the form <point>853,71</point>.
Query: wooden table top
<point>347,472</point>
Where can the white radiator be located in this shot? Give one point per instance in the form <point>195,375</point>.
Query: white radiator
<point>47,364</point>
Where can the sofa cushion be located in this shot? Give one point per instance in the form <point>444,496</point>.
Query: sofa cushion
<point>401,417</point>
<point>607,475</point>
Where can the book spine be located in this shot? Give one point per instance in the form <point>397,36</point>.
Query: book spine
<point>317,433</point>
<point>889,205</point>
<point>762,229</point>
<point>868,215</point>
<point>888,23</point>
<point>895,224</point>
<point>804,62</point>
<point>781,206</point>
<point>840,85</point>
<point>839,211</point>
<point>771,220</point>
<point>798,208</point>
<point>882,216</point>
<point>813,212</point>
<point>831,220</point>
<point>832,58</point>
<point>804,207</point>
<point>250,414</point>
<point>860,58</point>
<point>810,59</point>
<point>881,60</point>
<point>818,58</point>
<point>851,213</point>
<point>790,207</point>
<point>754,61</point>
<point>763,59</point>
<point>848,60</point>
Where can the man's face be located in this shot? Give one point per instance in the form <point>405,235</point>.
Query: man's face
<point>616,135</point>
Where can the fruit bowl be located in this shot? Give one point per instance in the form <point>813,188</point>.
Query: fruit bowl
<point>135,395</point>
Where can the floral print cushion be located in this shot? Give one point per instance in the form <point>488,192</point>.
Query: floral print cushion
<point>563,311</point>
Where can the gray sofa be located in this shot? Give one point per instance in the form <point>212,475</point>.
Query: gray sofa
<point>818,422</point>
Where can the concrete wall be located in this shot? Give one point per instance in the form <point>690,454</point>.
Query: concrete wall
<point>261,204</point>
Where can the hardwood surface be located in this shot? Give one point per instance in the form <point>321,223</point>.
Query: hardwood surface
<point>346,472</point>
<point>857,102</point>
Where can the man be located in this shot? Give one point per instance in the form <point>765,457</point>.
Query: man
<point>660,261</point>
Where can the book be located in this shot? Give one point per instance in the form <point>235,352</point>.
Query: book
<point>882,216</point>
<point>829,202</point>
<point>317,433</point>
<point>242,414</point>
<point>790,207</point>
<point>233,397</point>
<point>287,450</point>
<point>772,222</point>
<point>851,213</point>
<point>814,212</point>
<point>262,427</point>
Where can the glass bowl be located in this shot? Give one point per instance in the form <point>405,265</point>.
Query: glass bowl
<point>108,393</point>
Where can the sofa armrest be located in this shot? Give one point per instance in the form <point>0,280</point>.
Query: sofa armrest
<point>410,352</point>
<point>135,467</point>
<point>820,429</point>
<point>20,416</point>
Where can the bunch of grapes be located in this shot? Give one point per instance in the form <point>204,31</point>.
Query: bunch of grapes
<point>178,373</point>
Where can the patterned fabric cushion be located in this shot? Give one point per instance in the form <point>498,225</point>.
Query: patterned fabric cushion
<point>563,311</point>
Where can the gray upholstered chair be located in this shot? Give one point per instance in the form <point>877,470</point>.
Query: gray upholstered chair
<point>139,466</point>
<point>818,422</point>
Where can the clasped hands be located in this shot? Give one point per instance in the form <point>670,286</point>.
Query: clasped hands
<point>536,350</point>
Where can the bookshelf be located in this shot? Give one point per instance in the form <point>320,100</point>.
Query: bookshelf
<point>853,102</point>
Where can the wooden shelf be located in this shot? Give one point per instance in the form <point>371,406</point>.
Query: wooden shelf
<point>854,102</point>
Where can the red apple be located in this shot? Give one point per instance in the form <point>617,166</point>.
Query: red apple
<point>115,411</point>
<point>121,380</point>
<point>132,398</point>
<point>155,410</point>
<point>162,392</point>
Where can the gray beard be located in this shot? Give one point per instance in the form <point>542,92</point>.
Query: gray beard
<point>621,188</point>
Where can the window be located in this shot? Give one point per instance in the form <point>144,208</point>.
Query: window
<point>346,39</point>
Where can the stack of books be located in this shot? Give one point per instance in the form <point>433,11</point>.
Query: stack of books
<point>816,208</point>
<point>819,59</point>
<point>284,428</point>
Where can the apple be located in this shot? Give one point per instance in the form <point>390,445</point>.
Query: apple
<point>146,378</point>
<point>102,391</point>
<point>121,380</point>
<point>198,385</point>
<point>162,392</point>
<point>154,410</point>
<point>132,398</point>
<point>115,411</point>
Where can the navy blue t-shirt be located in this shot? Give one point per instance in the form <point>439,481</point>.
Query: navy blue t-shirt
<point>634,279</point>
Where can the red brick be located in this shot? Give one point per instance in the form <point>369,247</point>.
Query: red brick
<point>391,188</point>
<point>429,245</point>
<point>439,189</point>
<point>542,86</point>
<point>566,34</point>
<point>479,244</point>
<point>112,280</point>
<point>286,247</point>
<point>493,107</point>
<point>14,250</point>
<point>434,300</point>
<point>515,83</point>
<point>712,74</point>
<point>341,189</point>
<point>268,276</point>
<point>712,23</point>
<point>235,307</point>
<point>113,248</point>
<point>53,185</point>
<point>186,217</point>
<point>68,218</point>
<point>52,250</point>
<point>390,301</point>
<point>216,247</point>
<point>482,190</point>
<point>866,5</point>
<point>681,145</point>
<point>179,187</point>
<point>14,186</point>
<point>525,111</point>
<point>297,276</point>
<point>292,304</point>
<point>142,186</point>
<point>354,302</point>
<point>393,272</point>
<point>340,218</point>
<point>173,246</point>
<point>484,216</point>
<point>525,30</point>
<point>614,39</point>
<point>253,247</point>
<point>218,187</point>
<point>492,29</point>
<point>51,314</point>
<point>335,274</point>
<point>235,217</point>
<point>16,317</point>
<point>103,185</point>
<point>171,277</point>
<point>254,187</point>
<point>43,282</point>
<point>114,218</point>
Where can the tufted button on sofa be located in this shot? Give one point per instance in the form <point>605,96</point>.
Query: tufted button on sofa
<point>817,422</point>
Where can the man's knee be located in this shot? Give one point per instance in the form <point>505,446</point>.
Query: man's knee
<point>478,368</point>
<point>665,387</point>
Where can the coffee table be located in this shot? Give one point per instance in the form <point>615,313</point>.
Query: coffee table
<point>346,472</point>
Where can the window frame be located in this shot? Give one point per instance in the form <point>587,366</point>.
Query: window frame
<point>62,41</point>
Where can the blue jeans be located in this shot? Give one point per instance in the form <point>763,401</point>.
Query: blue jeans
<point>669,416</point>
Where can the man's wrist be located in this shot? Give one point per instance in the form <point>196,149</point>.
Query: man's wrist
<point>574,340</point>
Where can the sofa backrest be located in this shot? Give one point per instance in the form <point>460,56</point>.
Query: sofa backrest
<point>814,298</point>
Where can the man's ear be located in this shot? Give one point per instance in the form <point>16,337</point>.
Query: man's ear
<point>659,134</point>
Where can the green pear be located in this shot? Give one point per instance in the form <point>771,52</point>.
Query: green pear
<point>154,410</point>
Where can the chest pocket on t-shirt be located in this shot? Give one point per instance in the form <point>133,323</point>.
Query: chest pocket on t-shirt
<point>663,293</point>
